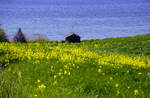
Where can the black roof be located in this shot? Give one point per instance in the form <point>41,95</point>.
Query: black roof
<point>71,34</point>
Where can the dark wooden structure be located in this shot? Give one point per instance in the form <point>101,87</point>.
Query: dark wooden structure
<point>72,38</point>
<point>20,36</point>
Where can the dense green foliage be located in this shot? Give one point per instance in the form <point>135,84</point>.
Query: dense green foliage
<point>108,68</point>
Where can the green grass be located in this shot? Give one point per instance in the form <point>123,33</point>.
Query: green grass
<point>81,77</point>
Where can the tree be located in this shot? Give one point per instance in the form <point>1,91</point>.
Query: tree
<point>3,37</point>
<point>20,36</point>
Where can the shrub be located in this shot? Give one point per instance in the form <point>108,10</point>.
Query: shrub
<point>40,38</point>
<point>3,37</point>
<point>20,37</point>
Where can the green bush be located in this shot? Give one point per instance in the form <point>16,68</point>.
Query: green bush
<point>3,37</point>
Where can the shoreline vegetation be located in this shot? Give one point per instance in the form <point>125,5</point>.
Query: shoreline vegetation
<point>100,68</point>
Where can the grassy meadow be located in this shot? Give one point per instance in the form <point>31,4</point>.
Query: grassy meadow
<point>107,68</point>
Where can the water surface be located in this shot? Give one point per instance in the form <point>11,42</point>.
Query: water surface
<point>95,21</point>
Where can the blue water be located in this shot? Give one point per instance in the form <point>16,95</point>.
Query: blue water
<point>89,21</point>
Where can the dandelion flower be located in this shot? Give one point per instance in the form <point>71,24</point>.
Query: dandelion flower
<point>19,74</point>
<point>111,78</point>
<point>59,73</point>
<point>99,70</point>
<point>65,66</point>
<point>35,95</point>
<point>127,71</point>
<point>65,72</point>
<point>38,81</point>
<point>42,86</point>
<point>118,92</point>
<point>116,85</point>
<point>54,76</point>
<point>68,73</point>
<point>139,73</point>
<point>136,92</point>
<point>9,69</point>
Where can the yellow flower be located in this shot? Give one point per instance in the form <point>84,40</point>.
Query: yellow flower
<point>128,87</point>
<point>73,65</point>
<point>139,73</point>
<point>59,73</point>
<point>65,72</point>
<point>118,92</point>
<point>136,92</point>
<point>42,86</point>
<point>68,73</point>
<point>19,74</point>
<point>96,46</point>
<point>54,76</point>
<point>9,69</point>
<point>117,85</point>
<point>52,67</point>
<point>65,66</point>
<point>38,81</point>
<point>99,70</point>
<point>35,95</point>
<point>111,78</point>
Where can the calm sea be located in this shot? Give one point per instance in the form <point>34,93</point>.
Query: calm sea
<point>89,21</point>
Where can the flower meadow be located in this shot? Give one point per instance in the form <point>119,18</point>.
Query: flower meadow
<point>108,68</point>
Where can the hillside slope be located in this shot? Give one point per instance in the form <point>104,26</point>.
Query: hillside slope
<point>113,67</point>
